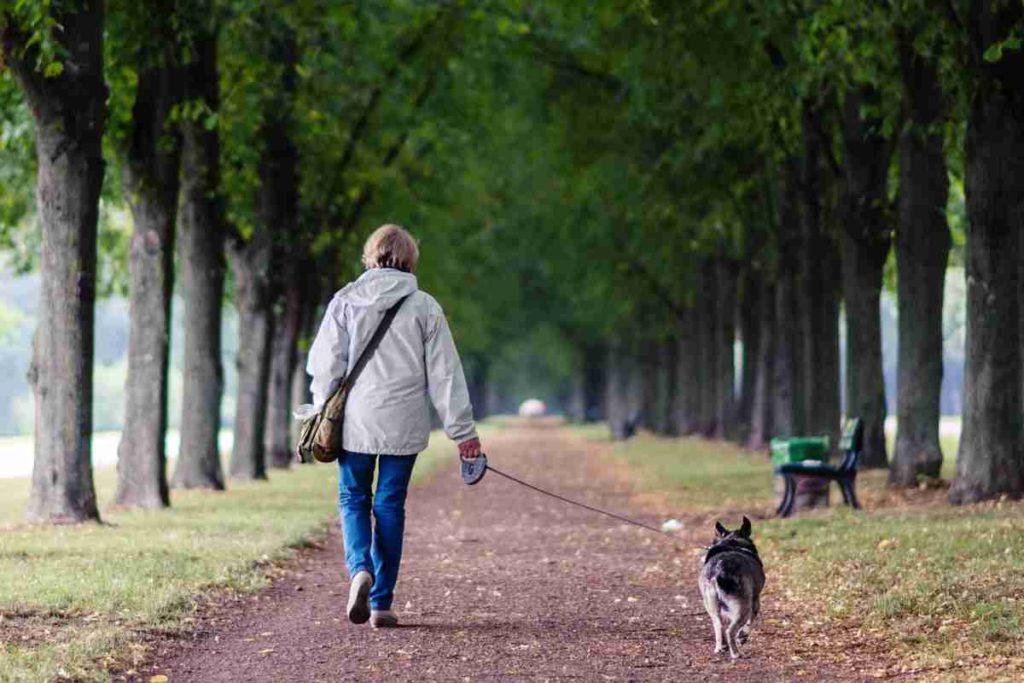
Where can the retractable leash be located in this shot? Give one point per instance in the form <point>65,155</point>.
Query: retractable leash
<point>473,471</point>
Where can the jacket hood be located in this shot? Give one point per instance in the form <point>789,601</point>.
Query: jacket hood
<point>379,288</point>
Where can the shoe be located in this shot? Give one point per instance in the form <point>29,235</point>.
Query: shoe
<point>359,597</point>
<point>383,618</point>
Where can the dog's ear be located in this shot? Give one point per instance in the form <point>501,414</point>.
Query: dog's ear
<point>720,531</point>
<point>745,529</point>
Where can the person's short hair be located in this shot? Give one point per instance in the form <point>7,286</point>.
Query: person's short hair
<point>391,246</point>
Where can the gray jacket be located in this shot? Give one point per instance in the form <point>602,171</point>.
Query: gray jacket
<point>387,411</point>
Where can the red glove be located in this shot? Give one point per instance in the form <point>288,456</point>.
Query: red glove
<point>470,449</point>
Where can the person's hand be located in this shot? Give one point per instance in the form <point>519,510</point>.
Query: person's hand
<point>470,449</point>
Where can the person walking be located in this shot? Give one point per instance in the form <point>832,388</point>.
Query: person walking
<point>387,416</point>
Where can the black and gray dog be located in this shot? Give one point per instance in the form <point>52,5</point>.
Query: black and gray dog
<point>730,583</point>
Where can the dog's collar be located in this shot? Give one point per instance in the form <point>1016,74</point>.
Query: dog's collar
<point>719,549</point>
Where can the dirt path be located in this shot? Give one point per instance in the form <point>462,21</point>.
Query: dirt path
<point>499,583</point>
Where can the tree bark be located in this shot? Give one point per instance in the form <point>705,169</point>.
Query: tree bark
<point>865,246</point>
<point>477,367</point>
<point>990,462</point>
<point>277,441</point>
<point>751,289</point>
<point>151,164</point>
<point>687,383</point>
<point>68,111</point>
<point>278,217</point>
<point>202,259</point>
<point>725,339</point>
<point>818,292</point>
<point>761,426</point>
<point>251,264</point>
<point>787,409</point>
<point>707,349</point>
<point>669,388</point>
<point>620,396</point>
<point>647,367</point>
<point>922,249</point>
<point>595,358</point>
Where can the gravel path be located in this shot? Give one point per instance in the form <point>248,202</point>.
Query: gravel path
<point>499,583</point>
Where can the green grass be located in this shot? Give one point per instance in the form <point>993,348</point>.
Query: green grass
<point>702,475</point>
<point>95,586</point>
<point>943,584</point>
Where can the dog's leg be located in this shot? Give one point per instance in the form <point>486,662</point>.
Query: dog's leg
<point>742,618</point>
<point>712,605</point>
<point>745,631</point>
<point>716,623</point>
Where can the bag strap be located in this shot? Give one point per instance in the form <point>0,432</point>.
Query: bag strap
<point>372,345</point>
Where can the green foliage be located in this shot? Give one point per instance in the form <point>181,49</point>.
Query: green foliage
<point>18,238</point>
<point>575,161</point>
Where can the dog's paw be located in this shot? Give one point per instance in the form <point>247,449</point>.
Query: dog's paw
<point>719,649</point>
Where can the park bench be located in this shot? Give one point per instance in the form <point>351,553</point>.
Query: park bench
<point>844,474</point>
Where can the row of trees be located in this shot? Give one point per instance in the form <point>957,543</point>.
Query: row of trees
<point>610,196</point>
<point>248,139</point>
<point>746,173</point>
<point>809,138</point>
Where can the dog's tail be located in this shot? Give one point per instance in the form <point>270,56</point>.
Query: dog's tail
<point>727,585</point>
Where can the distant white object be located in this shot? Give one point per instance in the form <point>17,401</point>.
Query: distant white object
<point>670,525</point>
<point>532,407</point>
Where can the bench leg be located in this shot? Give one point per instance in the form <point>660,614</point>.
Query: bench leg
<point>849,496</point>
<point>843,490</point>
<point>785,508</point>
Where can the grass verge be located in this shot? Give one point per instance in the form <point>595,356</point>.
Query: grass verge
<point>944,585</point>
<point>74,599</point>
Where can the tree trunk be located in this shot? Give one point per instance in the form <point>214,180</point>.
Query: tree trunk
<point>707,349</point>
<point>647,368</point>
<point>668,387</point>
<point>477,367</point>
<point>761,426</point>
<point>687,384</point>
<point>787,409</point>
<point>152,160</point>
<point>251,265</point>
<point>865,246</point>
<point>922,248</point>
<point>68,111</point>
<point>299,394</point>
<point>725,339</point>
<point>278,217</point>
<point>818,293</point>
<point>595,359</point>
<point>619,392</point>
<point>202,260</point>
<point>990,461</point>
<point>255,264</point>
<point>752,285</point>
<point>277,442</point>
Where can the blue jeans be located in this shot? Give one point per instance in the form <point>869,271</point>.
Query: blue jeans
<point>376,550</point>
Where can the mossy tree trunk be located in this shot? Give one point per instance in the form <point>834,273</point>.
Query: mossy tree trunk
<point>68,111</point>
<point>990,462</point>
<point>151,184</point>
<point>201,225</point>
<point>922,249</point>
<point>865,241</point>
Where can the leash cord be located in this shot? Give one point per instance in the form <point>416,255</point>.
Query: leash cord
<point>613,515</point>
